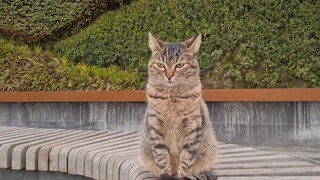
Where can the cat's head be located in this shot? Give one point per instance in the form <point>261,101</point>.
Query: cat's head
<point>173,64</point>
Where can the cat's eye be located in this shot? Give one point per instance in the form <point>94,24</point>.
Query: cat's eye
<point>160,65</point>
<point>180,65</point>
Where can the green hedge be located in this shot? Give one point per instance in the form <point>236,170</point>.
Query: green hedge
<point>39,20</point>
<point>247,44</point>
<point>32,69</point>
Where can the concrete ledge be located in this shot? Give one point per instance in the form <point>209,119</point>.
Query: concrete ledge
<point>113,155</point>
<point>247,123</point>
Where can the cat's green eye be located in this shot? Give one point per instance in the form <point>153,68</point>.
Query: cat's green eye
<point>160,65</point>
<point>180,65</point>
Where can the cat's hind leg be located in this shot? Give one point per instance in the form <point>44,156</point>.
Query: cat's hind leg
<point>204,163</point>
<point>147,158</point>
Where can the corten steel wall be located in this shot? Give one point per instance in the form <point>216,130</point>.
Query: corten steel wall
<point>262,122</point>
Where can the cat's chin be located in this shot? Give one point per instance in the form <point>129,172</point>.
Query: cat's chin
<point>171,84</point>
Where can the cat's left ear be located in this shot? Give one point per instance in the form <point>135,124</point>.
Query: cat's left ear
<point>192,45</point>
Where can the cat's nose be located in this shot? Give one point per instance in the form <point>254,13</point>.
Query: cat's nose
<point>169,75</point>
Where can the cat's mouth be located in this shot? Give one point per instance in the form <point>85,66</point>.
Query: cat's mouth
<point>170,83</point>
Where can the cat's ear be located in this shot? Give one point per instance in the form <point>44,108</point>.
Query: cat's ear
<point>192,45</point>
<point>155,44</point>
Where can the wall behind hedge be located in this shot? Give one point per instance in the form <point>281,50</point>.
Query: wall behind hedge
<point>245,43</point>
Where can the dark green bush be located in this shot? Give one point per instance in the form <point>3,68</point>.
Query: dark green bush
<point>246,44</point>
<point>25,69</point>
<point>39,20</point>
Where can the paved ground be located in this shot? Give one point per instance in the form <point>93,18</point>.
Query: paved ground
<point>312,154</point>
<point>112,155</point>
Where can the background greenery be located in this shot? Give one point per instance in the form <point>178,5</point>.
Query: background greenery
<point>39,20</point>
<point>246,44</point>
<point>32,69</point>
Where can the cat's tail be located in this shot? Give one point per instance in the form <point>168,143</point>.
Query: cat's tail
<point>208,175</point>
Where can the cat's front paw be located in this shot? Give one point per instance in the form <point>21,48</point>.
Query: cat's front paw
<point>167,177</point>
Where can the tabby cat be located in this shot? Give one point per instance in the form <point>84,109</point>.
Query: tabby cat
<point>177,140</point>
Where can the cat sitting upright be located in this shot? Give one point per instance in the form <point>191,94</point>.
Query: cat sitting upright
<point>177,141</point>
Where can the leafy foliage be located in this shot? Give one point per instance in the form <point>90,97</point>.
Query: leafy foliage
<point>246,44</point>
<point>23,68</point>
<point>39,20</point>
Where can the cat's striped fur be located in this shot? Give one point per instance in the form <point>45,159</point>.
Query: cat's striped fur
<point>178,141</point>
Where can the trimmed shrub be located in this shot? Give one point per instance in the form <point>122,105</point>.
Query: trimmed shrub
<point>38,20</point>
<point>246,44</point>
<point>26,69</point>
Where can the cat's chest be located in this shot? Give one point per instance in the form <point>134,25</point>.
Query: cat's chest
<point>173,137</point>
<point>173,114</point>
<point>174,109</point>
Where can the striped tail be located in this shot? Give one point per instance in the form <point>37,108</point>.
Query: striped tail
<point>203,176</point>
<point>167,177</point>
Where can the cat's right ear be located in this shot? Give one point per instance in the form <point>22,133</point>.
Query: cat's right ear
<point>155,44</point>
